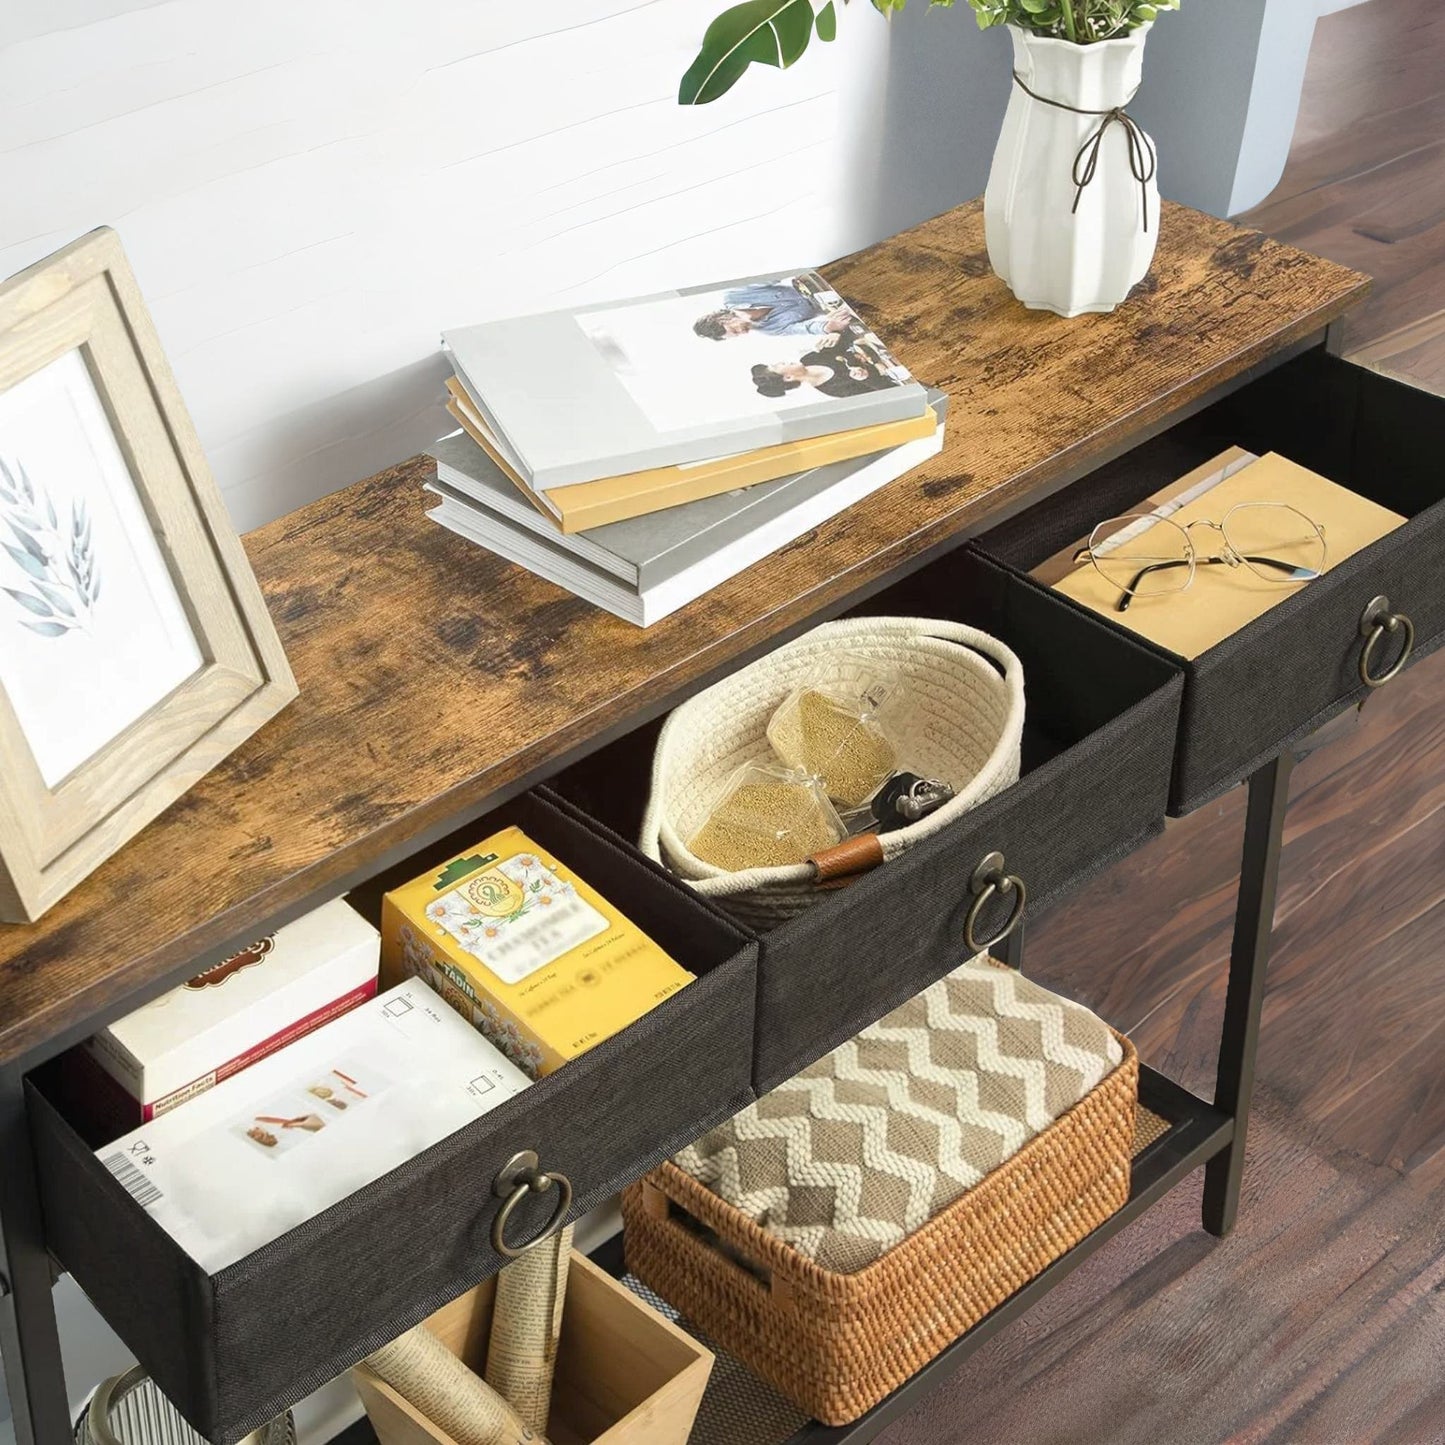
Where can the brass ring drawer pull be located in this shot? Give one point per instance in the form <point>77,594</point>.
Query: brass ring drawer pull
<point>520,1177</point>
<point>989,880</point>
<point>1378,622</point>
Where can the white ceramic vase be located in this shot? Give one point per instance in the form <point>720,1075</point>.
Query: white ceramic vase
<point>1052,254</point>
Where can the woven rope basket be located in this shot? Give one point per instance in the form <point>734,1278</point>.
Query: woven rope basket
<point>836,1344</point>
<point>962,721</point>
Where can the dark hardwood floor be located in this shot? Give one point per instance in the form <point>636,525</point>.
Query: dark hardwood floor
<point>1365,183</point>
<point>1321,1320</point>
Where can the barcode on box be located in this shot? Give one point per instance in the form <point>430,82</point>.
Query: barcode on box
<point>133,1181</point>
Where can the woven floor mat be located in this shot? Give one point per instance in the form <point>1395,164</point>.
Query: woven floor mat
<point>1147,1128</point>
<point>738,1408</point>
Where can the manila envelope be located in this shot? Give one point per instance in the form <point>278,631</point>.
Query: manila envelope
<point>1224,599</point>
<point>1182,489</point>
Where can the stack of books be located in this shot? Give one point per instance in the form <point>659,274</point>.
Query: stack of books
<point>638,454</point>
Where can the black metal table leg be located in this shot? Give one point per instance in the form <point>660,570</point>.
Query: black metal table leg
<point>1011,950</point>
<point>29,1338</point>
<point>1248,964</point>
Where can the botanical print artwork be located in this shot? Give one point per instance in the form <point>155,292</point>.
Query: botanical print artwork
<point>93,632</point>
<point>61,585</point>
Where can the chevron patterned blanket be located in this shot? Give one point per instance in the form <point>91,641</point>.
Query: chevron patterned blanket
<point>847,1159</point>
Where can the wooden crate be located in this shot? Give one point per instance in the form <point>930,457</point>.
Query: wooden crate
<point>625,1375</point>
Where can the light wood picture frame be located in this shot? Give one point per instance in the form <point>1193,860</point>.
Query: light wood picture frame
<point>136,650</point>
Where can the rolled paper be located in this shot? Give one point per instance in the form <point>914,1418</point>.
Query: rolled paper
<point>526,1324</point>
<point>431,1379</point>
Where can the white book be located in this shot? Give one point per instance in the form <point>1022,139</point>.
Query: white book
<point>237,1167</point>
<point>642,606</point>
<point>684,376</point>
<point>245,1007</point>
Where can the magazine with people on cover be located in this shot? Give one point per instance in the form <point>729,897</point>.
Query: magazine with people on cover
<point>686,376</point>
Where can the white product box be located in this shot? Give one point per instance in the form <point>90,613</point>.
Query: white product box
<point>299,1131</point>
<point>224,1020</point>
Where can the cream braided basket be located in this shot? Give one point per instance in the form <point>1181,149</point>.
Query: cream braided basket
<point>962,721</point>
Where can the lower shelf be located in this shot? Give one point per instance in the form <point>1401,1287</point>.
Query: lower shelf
<point>1196,1132</point>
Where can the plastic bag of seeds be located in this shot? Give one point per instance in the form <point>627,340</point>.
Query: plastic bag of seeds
<point>837,731</point>
<point>768,816</point>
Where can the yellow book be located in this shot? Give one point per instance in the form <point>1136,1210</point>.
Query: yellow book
<point>614,499</point>
<point>535,958</point>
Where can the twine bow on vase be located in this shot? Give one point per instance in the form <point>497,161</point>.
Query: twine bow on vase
<point>1143,158</point>
<point>1071,216</point>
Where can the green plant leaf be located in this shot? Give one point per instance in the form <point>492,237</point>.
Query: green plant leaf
<point>770,32</point>
<point>45,629</point>
<point>776,32</point>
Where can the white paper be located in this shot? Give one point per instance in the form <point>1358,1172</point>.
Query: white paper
<point>261,1153</point>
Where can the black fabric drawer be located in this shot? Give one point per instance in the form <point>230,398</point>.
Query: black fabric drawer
<point>1101,714</point>
<point>233,1349</point>
<point>1286,673</point>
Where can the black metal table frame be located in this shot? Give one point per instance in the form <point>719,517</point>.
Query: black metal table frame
<point>1212,1136</point>
<point>1215,1136</point>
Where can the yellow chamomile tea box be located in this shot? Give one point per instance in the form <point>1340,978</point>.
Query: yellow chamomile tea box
<point>537,960</point>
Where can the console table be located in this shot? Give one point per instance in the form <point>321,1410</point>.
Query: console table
<point>440,684</point>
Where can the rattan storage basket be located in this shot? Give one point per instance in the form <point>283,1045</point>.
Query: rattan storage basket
<point>963,723</point>
<point>836,1344</point>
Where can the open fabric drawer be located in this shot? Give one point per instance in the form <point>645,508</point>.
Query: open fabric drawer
<point>1284,674</point>
<point>1100,717</point>
<point>235,1347</point>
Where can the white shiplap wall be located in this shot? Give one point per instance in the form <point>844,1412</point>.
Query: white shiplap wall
<point>310,189</point>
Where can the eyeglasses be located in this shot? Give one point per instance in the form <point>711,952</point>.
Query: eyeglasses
<point>1146,555</point>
